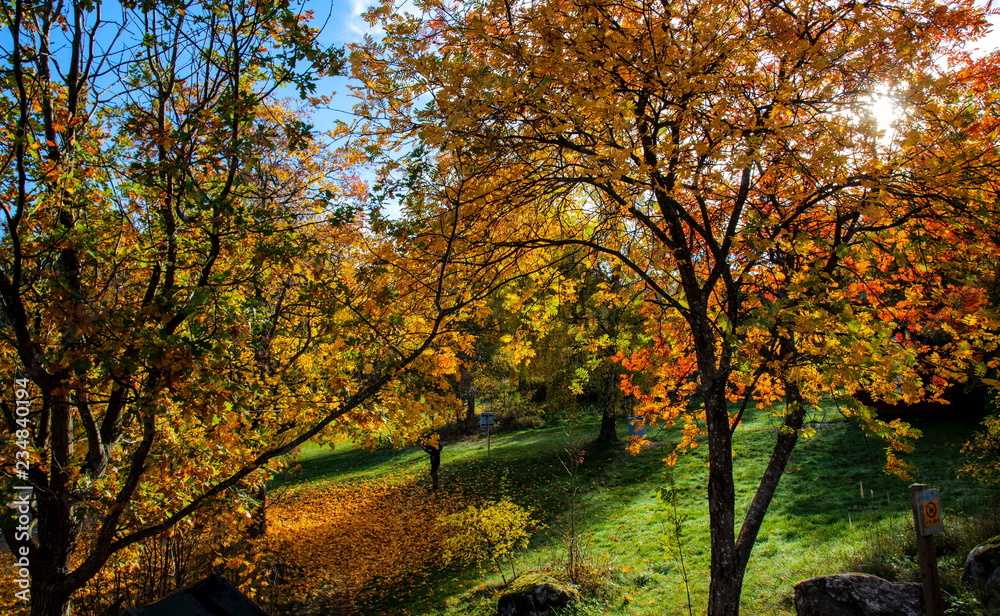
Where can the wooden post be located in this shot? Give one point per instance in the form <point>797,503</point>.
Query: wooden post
<point>926,522</point>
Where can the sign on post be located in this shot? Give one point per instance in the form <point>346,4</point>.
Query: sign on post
<point>927,521</point>
<point>485,423</point>
<point>928,504</point>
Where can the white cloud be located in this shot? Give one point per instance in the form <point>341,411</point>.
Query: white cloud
<point>355,23</point>
<point>343,20</point>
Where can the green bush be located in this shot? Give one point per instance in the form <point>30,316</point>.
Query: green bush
<point>531,421</point>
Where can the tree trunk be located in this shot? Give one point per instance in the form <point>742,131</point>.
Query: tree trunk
<point>609,427</point>
<point>609,416</point>
<point>258,525</point>
<point>726,572</point>
<point>470,411</point>
<point>435,454</point>
<point>49,606</point>
<point>729,556</point>
<point>788,436</point>
<point>55,521</point>
<point>468,388</point>
<point>47,602</point>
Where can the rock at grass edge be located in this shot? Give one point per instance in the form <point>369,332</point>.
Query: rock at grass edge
<point>854,594</point>
<point>535,594</point>
<point>982,569</point>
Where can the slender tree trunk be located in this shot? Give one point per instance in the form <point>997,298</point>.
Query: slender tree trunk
<point>609,416</point>
<point>795,412</point>
<point>470,411</point>
<point>468,389</point>
<point>435,455</point>
<point>435,464</point>
<point>258,527</point>
<point>725,570</point>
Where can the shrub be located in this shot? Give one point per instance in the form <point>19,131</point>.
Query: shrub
<point>982,453</point>
<point>528,422</point>
<point>493,533</point>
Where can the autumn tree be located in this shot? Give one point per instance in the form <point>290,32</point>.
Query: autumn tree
<point>564,332</point>
<point>500,334</point>
<point>528,352</point>
<point>188,290</point>
<point>142,188</point>
<point>606,323</point>
<point>726,154</point>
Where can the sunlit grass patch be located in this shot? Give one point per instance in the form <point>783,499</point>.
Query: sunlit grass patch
<point>833,498</point>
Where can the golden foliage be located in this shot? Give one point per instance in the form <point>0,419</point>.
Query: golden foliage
<point>982,452</point>
<point>493,532</point>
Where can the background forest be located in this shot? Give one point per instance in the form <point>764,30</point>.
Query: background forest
<point>690,214</point>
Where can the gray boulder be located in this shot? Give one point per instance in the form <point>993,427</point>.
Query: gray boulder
<point>855,594</point>
<point>535,594</point>
<point>982,569</point>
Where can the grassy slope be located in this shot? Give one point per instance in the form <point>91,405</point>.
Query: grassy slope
<point>818,519</point>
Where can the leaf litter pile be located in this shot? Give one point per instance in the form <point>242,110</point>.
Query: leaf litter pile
<point>336,547</point>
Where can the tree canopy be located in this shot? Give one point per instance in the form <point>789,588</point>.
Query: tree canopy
<point>727,154</point>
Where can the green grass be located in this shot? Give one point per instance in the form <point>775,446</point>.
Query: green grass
<point>833,500</point>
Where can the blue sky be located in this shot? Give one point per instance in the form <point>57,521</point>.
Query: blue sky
<point>345,26</point>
